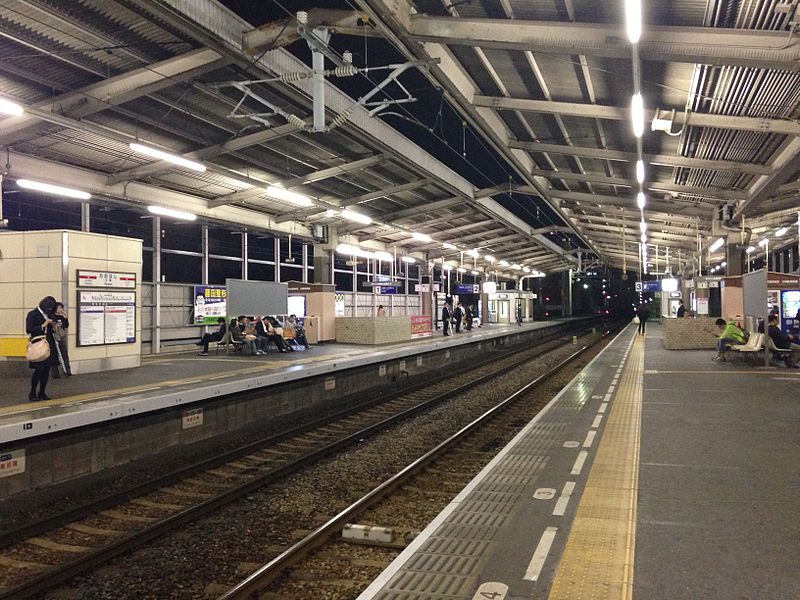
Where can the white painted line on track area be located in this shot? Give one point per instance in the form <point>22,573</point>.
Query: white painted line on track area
<point>596,422</point>
<point>540,554</point>
<point>602,408</point>
<point>563,500</point>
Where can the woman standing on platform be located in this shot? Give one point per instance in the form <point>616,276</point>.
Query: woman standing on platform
<point>39,322</point>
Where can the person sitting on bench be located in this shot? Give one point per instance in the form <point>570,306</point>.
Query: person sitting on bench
<point>212,337</point>
<point>730,335</point>
<point>783,342</point>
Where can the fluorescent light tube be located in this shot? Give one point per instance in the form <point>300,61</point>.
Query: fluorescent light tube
<point>290,197</point>
<point>447,267</point>
<point>473,253</point>
<point>474,272</point>
<point>750,249</point>
<point>716,245</point>
<point>10,108</point>
<point>351,215</point>
<point>644,238</point>
<point>461,270</point>
<point>489,258</point>
<point>763,242</point>
<point>175,214</point>
<point>167,156</point>
<point>408,259</point>
<point>448,245</point>
<point>637,114</point>
<point>640,200</point>
<point>633,20</point>
<point>421,237</point>
<point>781,231</point>
<point>56,190</point>
<point>385,256</point>
<point>503,263</point>
<point>640,171</point>
<point>643,227</point>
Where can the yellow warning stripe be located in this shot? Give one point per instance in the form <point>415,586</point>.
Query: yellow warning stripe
<point>598,559</point>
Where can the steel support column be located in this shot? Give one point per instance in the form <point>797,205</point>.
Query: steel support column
<point>155,336</point>
<point>86,223</point>
<point>245,257</point>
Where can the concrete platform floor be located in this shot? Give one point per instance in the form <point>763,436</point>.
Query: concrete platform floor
<point>185,369</point>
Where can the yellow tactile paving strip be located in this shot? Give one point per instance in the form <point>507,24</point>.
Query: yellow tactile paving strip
<point>598,559</point>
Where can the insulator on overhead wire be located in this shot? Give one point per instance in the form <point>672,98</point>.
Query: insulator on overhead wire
<point>296,76</point>
<point>341,118</point>
<point>296,121</point>
<point>344,71</point>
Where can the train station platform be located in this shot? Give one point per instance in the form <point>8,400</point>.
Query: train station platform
<point>653,474</point>
<point>102,420</point>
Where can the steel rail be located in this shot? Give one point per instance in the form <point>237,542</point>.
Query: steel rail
<point>59,574</point>
<point>274,569</point>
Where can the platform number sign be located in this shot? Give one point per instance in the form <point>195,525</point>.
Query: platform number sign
<point>192,418</point>
<point>492,590</point>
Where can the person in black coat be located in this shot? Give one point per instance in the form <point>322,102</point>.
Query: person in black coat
<point>643,313</point>
<point>213,337</point>
<point>60,326</point>
<point>40,322</point>
<point>446,316</point>
<point>458,316</point>
<point>468,316</point>
<point>681,312</point>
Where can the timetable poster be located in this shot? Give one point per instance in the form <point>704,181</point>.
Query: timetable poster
<point>106,317</point>
<point>210,303</point>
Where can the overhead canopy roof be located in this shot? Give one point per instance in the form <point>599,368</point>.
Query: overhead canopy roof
<point>548,93</point>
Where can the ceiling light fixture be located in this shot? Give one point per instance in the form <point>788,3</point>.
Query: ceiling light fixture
<point>642,226</point>
<point>408,259</point>
<point>356,217</point>
<point>750,249</point>
<point>10,108</point>
<point>290,197</point>
<point>640,200</point>
<point>382,255</point>
<point>489,258</point>
<point>503,263</point>
<point>422,237</point>
<point>473,253</point>
<point>448,245</point>
<point>461,270</point>
<point>167,156</point>
<point>716,245</point>
<point>56,190</point>
<point>781,231</point>
<point>169,212</point>
<point>633,20</point>
<point>644,238</point>
<point>640,171</point>
<point>637,114</point>
<point>447,267</point>
<point>763,242</point>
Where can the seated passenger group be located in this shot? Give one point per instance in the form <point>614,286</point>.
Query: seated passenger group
<point>731,334</point>
<point>255,336</point>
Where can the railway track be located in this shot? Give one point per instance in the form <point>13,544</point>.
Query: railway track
<point>43,554</point>
<point>323,564</point>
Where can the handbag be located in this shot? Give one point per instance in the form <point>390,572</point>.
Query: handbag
<point>636,320</point>
<point>38,350</point>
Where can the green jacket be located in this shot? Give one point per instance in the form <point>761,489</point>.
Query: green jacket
<point>732,332</point>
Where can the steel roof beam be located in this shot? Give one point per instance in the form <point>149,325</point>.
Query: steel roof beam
<point>654,159</point>
<point>620,113</point>
<point>613,202</point>
<point>320,175</point>
<point>727,194</point>
<point>785,165</point>
<point>706,45</point>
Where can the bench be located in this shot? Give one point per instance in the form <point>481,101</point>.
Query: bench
<point>754,345</point>
<point>228,342</point>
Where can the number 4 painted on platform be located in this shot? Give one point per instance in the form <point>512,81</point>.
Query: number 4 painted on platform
<point>491,590</point>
